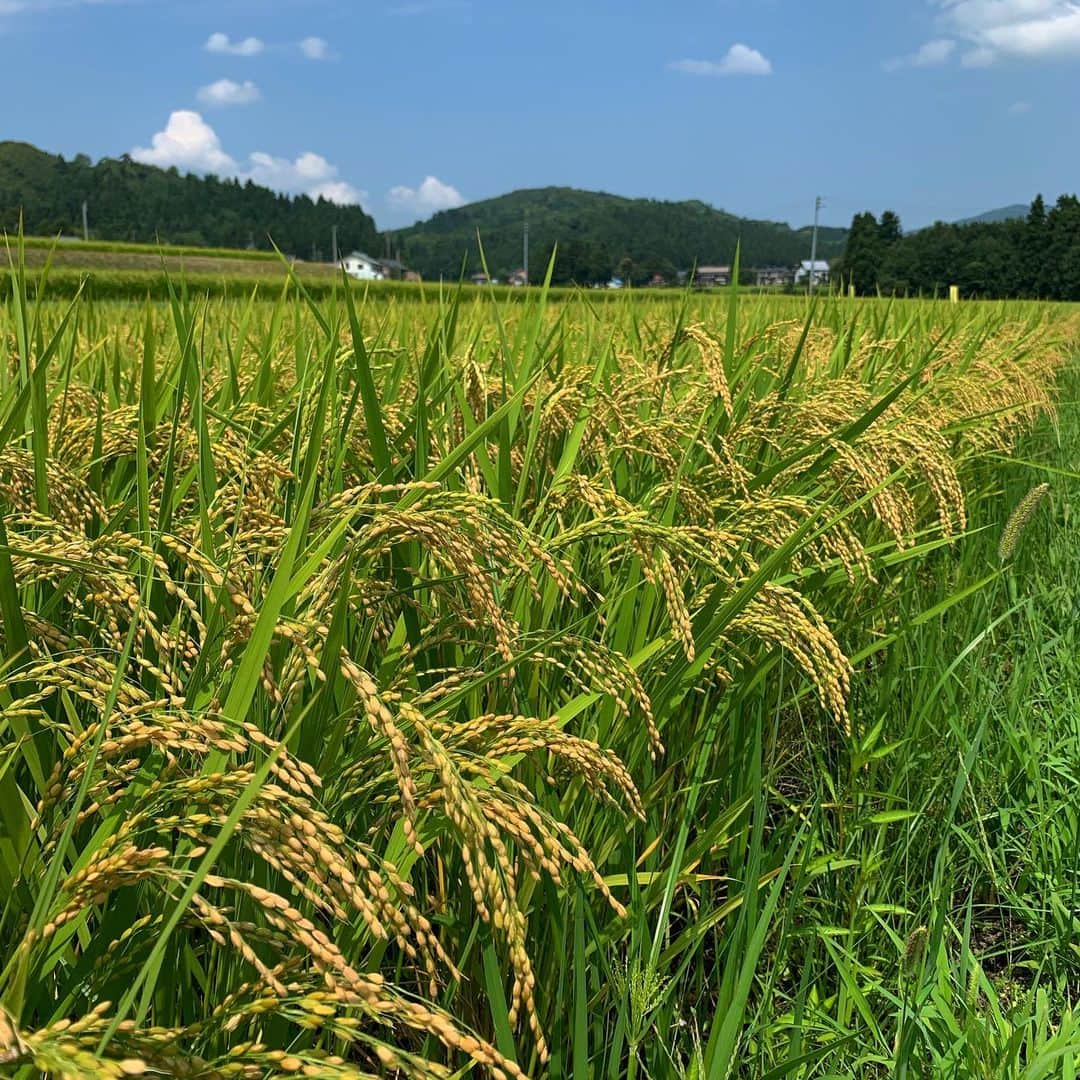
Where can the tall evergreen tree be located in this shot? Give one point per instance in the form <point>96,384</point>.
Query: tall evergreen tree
<point>1033,279</point>
<point>861,262</point>
<point>889,230</point>
<point>1062,263</point>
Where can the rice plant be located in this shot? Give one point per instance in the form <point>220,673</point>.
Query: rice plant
<point>455,682</point>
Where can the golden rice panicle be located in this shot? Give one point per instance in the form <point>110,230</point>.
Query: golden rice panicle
<point>382,721</point>
<point>69,1048</point>
<point>594,666</point>
<point>490,874</point>
<point>785,618</point>
<point>1018,519</point>
<point>712,358</point>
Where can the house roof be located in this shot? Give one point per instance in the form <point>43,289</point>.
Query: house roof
<point>819,265</point>
<point>714,270</point>
<point>362,257</point>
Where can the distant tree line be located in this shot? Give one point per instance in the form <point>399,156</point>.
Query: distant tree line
<point>1037,257</point>
<point>129,201</point>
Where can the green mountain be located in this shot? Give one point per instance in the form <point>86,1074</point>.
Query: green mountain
<point>129,201</point>
<point>992,217</point>
<point>600,234</point>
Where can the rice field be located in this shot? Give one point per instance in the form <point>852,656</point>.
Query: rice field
<point>456,685</point>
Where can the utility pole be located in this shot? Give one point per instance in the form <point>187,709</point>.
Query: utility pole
<point>85,222</point>
<point>525,251</point>
<point>333,244</point>
<point>818,202</point>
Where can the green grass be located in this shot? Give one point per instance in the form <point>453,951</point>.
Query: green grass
<point>453,555</point>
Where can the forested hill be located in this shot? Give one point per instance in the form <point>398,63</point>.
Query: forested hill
<point>992,217</point>
<point>129,201</point>
<point>600,234</point>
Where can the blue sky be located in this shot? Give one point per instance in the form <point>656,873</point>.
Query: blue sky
<point>936,108</point>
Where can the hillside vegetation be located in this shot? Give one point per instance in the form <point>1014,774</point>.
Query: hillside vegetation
<point>600,234</point>
<point>134,202</point>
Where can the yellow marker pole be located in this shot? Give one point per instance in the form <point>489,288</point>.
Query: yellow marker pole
<point>954,294</point>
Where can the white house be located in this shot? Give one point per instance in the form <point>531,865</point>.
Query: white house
<point>364,267</point>
<point>820,270</point>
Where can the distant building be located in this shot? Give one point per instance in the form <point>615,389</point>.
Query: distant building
<point>711,277</point>
<point>767,277</point>
<point>820,271</point>
<point>657,281</point>
<point>480,278</point>
<point>392,269</point>
<point>363,267</point>
<point>411,275</point>
<point>518,277</point>
<point>615,283</point>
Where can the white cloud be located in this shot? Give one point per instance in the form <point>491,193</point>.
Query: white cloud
<point>931,54</point>
<point>309,173</point>
<point>221,43</point>
<point>978,58</point>
<point>315,48</point>
<point>340,192</point>
<point>1014,29</point>
<point>192,145</point>
<point>1019,108</point>
<point>739,60</point>
<point>934,52</point>
<point>431,196</point>
<point>226,92</point>
<point>187,142</point>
